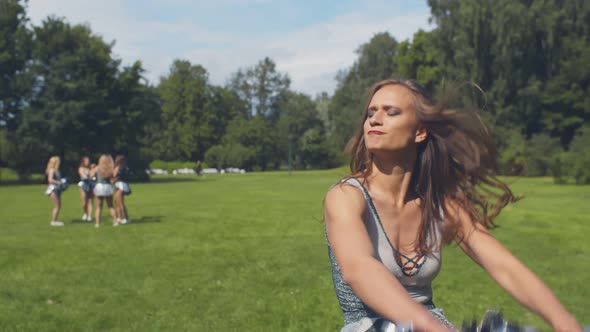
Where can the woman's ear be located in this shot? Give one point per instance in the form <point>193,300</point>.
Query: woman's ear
<point>421,135</point>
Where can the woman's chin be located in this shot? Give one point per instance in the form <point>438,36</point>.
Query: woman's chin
<point>387,152</point>
<point>380,151</point>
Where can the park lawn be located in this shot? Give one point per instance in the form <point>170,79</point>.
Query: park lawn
<point>246,252</point>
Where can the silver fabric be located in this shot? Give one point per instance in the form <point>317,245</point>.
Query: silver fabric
<point>123,186</point>
<point>357,316</point>
<point>378,324</point>
<point>103,189</point>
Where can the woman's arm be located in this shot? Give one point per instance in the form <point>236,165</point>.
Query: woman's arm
<point>370,280</point>
<point>81,174</point>
<point>93,172</point>
<point>510,273</point>
<point>50,179</point>
<point>114,177</point>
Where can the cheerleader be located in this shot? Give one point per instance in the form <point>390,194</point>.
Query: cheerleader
<point>103,190</point>
<point>121,188</point>
<point>55,188</point>
<point>85,185</point>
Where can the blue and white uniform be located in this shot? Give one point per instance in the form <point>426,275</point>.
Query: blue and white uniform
<point>122,178</point>
<point>102,188</point>
<point>85,182</point>
<point>56,188</point>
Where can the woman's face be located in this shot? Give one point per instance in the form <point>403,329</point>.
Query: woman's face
<point>85,162</point>
<point>391,124</point>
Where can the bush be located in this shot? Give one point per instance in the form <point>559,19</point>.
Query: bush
<point>315,152</point>
<point>239,156</point>
<point>511,146</point>
<point>578,156</point>
<point>231,155</point>
<point>541,154</point>
<point>559,169</point>
<point>215,156</point>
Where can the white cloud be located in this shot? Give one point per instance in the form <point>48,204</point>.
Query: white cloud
<point>331,46</point>
<point>311,56</point>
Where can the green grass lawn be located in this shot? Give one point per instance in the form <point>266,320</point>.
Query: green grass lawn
<point>246,253</point>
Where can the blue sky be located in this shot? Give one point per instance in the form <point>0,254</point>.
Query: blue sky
<point>309,40</point>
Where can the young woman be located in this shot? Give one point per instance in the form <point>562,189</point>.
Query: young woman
<point>54,189</point>
<point>86,188</point>
<point>103,190</point>
<point>121,188</point>
<point>417,171</point>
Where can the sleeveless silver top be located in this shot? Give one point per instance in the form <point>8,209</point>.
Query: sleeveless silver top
<point>418,285</point>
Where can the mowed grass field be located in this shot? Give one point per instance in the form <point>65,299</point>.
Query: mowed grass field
<point>246,252</point>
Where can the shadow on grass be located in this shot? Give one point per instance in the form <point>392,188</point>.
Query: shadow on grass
<point>153,179</point>
<point>145,219</point>
<point>141,220</point>
<point>172,179</point>
<point>81,222</point>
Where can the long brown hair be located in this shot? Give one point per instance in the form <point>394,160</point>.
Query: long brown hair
<point>456,163</point>
<point>120,160</point>
<point>82,162</point>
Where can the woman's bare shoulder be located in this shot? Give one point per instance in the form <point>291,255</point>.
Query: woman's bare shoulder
<point>344,199</point>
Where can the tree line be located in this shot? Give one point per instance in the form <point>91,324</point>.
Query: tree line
<point>63,92</point>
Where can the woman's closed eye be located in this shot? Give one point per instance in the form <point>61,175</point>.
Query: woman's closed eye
<point>389,112</point>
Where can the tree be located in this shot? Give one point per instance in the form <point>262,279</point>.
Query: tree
<point>78,102</point>
<point>15,84</point>
<point>530,56</point>
<point>375,63</point>
<point>301,131</point>
<point>418,59</point>
<point>71,107</point>
<point>256,135</point>
<point>322,102</point>
<point>224,105</point>
<point>15,51</point>
<point>247,144</point>
<point>184,94</point>
<point>139,110</point>
<point>578,157</point>
<point>259,86</point>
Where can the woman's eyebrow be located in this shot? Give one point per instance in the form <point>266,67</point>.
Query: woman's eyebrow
<point>390,107</point>
<point>386,107</point>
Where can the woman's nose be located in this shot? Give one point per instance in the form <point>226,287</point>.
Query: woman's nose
<point>376,119</point>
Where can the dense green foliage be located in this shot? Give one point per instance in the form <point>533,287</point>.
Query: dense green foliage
<point>529,57</point>
<point>64,93</point>
<point>246,252</point>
